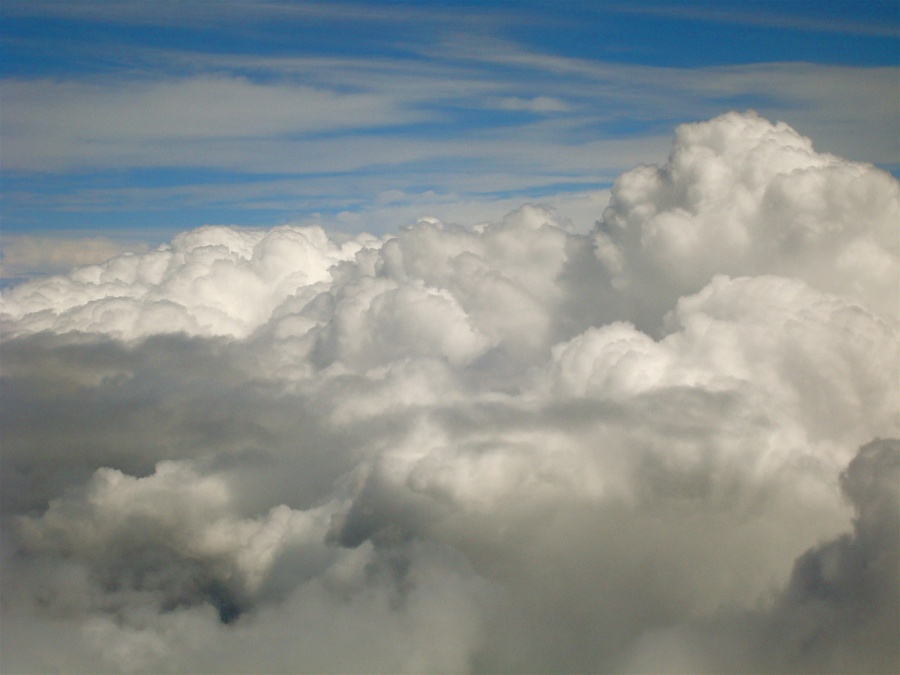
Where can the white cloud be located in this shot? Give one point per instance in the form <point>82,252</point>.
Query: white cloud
<point>57,125</point>
<point>744,196</point>
<point>539,104</point>
<point>511,446</point>
<point>268,114</point>
<point>211,281</point>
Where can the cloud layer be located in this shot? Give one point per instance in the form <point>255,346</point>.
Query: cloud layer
<point>515,447</point>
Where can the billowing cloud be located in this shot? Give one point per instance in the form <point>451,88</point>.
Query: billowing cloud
<point>212,281</point>
<point>511,447</point>
<point>746,197</point>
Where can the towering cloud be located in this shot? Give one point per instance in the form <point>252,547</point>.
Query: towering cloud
<point>515,447</point>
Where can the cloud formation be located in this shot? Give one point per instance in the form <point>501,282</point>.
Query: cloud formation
<point>515,447</point>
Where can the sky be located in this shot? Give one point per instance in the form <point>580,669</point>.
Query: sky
<point>135,120</point>
<point>449,337</point>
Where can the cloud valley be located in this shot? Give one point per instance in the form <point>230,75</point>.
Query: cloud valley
<point>664,444</point>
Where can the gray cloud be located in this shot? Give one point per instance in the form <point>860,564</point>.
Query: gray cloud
<point>838,612</point>
<point>513,447</point>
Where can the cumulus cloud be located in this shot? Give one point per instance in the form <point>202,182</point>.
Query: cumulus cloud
<point>747,197</point>
<point>211,281</point>
<point>510,447</point>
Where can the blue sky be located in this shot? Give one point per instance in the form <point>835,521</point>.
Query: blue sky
<point>137,119</point>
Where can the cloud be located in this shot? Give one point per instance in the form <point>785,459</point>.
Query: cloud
<point>838,607</point>
<point>201,552</point>
<point>512,446</point>
<point>211,281</point>
<point>24,254</point>
<point>73,124</point>
<point>538,104</point>
<point>744,196</point>
<point>319,114</point>
<point>838,611</point>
